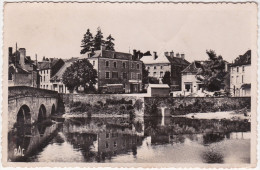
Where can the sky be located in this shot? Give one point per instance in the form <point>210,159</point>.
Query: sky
<point>56,29</point>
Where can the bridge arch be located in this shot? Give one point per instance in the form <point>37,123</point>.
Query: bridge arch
<point>42,113</point>
<point>23,116</point>
<point>53,110</point>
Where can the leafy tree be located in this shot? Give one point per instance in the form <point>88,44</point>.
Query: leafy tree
<point>87,42</point>
<point>109,43</point>
<point>80,73</point>
<point>98,40</point>
<point>167,78</point>
<point>145,75</point>
<point>153,80</point>
<point>212,72</point>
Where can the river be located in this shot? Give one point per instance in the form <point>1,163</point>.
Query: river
<point>121,140</point>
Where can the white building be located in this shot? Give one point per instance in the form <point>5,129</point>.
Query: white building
<point>190,83</point>
<point>240,75</point>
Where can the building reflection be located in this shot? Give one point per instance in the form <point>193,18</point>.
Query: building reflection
<point>102,139</point>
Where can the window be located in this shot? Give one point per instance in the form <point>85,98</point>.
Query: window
<point>154,73</point>
<point>154,67</point>
<point>107,63</point>
<point>41,79</point>
<point>114,75</point>
<point>242,79</point>
<point>148,68</point>
<point>114,64</point>
<point>44,78</point>
<point>93,63</point>
<point>115,144</point>
<point>107,75</point>
<point>139,76</point>
<point>44,71</point>
<point>237,80</point>
<point>46,86</point>
<point>47,71</point>
<point>107,135</point>
<point>161,74</point>
<point>132,76</point>
<point>243,68</point>
<point>161,67</point>
<point>107,145</point>
<point>237,69</point>
<point>123,64</point>
<point>124,75</point>
<point>137,66</point>
<point>133,65</point>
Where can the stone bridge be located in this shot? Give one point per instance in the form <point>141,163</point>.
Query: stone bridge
<point>28,105</point>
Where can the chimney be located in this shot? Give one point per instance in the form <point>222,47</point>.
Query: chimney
<point>177,55</point>
<point>22,52</point>
<point>92,49</point>
<point>171,54</point>
<point>166,53</point>
<point>182,56</point>
<point>134,53</point>
<point>102,47</point>
<point>155,55</point>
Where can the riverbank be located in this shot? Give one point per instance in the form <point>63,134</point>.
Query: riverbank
<point>85,115</point>
<point>232,115</point>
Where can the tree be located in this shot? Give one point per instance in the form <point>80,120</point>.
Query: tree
<point>212,72</point>
<point>167,78</point>
<point>98,40</point>
<point>80,73</point>
<point>145,77</point>
<point>109,43</point>
<point>87,42</point>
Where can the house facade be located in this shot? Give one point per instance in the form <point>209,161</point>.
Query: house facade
<point>240,75</point>
<point>47,69</point>
<point>116,70</point>
<point>190,83</point>
<point>158,65</point>
<point>22,70</point>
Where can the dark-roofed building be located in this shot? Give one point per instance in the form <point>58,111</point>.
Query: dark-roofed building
<point>190,83</point>
<point>240,75</point>
<point>158,64</point>
<point>22,70</point>
<point>47,69</point>
<point>56,80</point>
<point>117,71</point>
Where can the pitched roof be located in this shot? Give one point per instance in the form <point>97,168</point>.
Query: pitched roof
<point>107,54</point>
<point>177,60</point>
<point>149,59</point>
<point>193,67</point>
<point>59,74</point>
<point>243,59</point>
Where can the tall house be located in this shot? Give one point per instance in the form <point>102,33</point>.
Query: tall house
<point>116,70</point>
<point>240,75</point>
<point>22,70</point>
<point>158,64</point>
<point>47,69</point>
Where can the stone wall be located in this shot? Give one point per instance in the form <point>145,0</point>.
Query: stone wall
<point>181,105</point>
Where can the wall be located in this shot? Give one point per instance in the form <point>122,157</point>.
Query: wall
<point>158,70</point>
<point>187,105</point>
<point>190,78</point>
<point>236,80</point>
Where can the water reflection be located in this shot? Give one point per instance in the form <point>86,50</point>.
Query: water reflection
<point>175,140</point>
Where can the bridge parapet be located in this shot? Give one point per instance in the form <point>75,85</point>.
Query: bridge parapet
<point>23,91</point>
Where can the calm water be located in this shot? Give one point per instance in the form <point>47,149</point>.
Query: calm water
<point>169,140</point>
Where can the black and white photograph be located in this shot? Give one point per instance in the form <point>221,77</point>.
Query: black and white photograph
<point>129,84</point>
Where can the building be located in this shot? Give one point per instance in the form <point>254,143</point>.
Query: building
<point>160,90</point>
<point>22,70</point>
<point>56,80</point>
<point>157,65</point>
<point>240,75</point>
<point>47,69</point>
<point>116,69</point>
<point>190,83</point>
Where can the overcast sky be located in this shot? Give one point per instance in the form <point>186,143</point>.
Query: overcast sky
<point>56,30</point>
